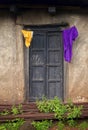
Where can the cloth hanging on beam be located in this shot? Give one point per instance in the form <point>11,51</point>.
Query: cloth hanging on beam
<point>69,35</point>
<point>28,35</point>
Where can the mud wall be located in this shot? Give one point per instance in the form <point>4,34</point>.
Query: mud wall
<point>76,72</point>
<point>11,60</point>
<point>12,84</point>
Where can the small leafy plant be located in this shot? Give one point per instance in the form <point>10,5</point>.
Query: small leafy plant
<point>15,110</point>
<point>42,125</point>
<point>61,125</point>
<point>4,112</point>
<point>71,123</point>
<point>12,125</point>
<point>74,112</point>
<point>64,113</point>
<point>83,125</point>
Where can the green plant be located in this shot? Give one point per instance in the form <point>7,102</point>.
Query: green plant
<point>60,111</point>
<point>71,123</point>
<point>4,112</point>
<point>46,105</point>
<point>20,108</point>
<point>16,110</point>
<point>74,112</point>
<point>61,125</point>
<point>66,113</point>
<point>12,125</point>
<point>83,125</point>
<point>42,125</point>
<point>2,127</point>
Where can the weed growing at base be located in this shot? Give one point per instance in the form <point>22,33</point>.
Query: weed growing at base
<point>65,113</point>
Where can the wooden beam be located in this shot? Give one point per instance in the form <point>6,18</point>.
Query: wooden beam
<point>30,112</point>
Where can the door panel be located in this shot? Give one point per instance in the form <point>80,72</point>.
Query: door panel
<point>53,39</point>
<point>46,65</point>
<point>54,90</point>
<point>37,57</point>
<point>53,73</point>
<point>37,90</point>
<point>38,73</point>
<point>54,68</point>
<point>53,56</point>
<point>37,68</point>
<point>38,40</point>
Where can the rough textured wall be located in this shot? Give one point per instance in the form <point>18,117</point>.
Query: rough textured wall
<point>11,53</point>
<point>76,72</point>
<point>11,60</point>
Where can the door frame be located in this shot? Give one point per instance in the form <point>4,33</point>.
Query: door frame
<point>58,27</point>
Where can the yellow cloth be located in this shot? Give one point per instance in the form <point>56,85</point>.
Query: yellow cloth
<point>28,35</point>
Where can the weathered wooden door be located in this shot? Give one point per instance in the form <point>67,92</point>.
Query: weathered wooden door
<point>46,64</point>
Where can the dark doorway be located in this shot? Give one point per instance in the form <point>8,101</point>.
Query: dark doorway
<point>46,63</point>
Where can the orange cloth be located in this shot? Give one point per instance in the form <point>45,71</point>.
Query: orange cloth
<point>28,35</point>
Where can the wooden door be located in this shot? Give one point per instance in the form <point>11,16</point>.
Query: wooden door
<point>46,64</point>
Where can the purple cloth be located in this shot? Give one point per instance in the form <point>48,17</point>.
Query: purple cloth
<point>69,35</point>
